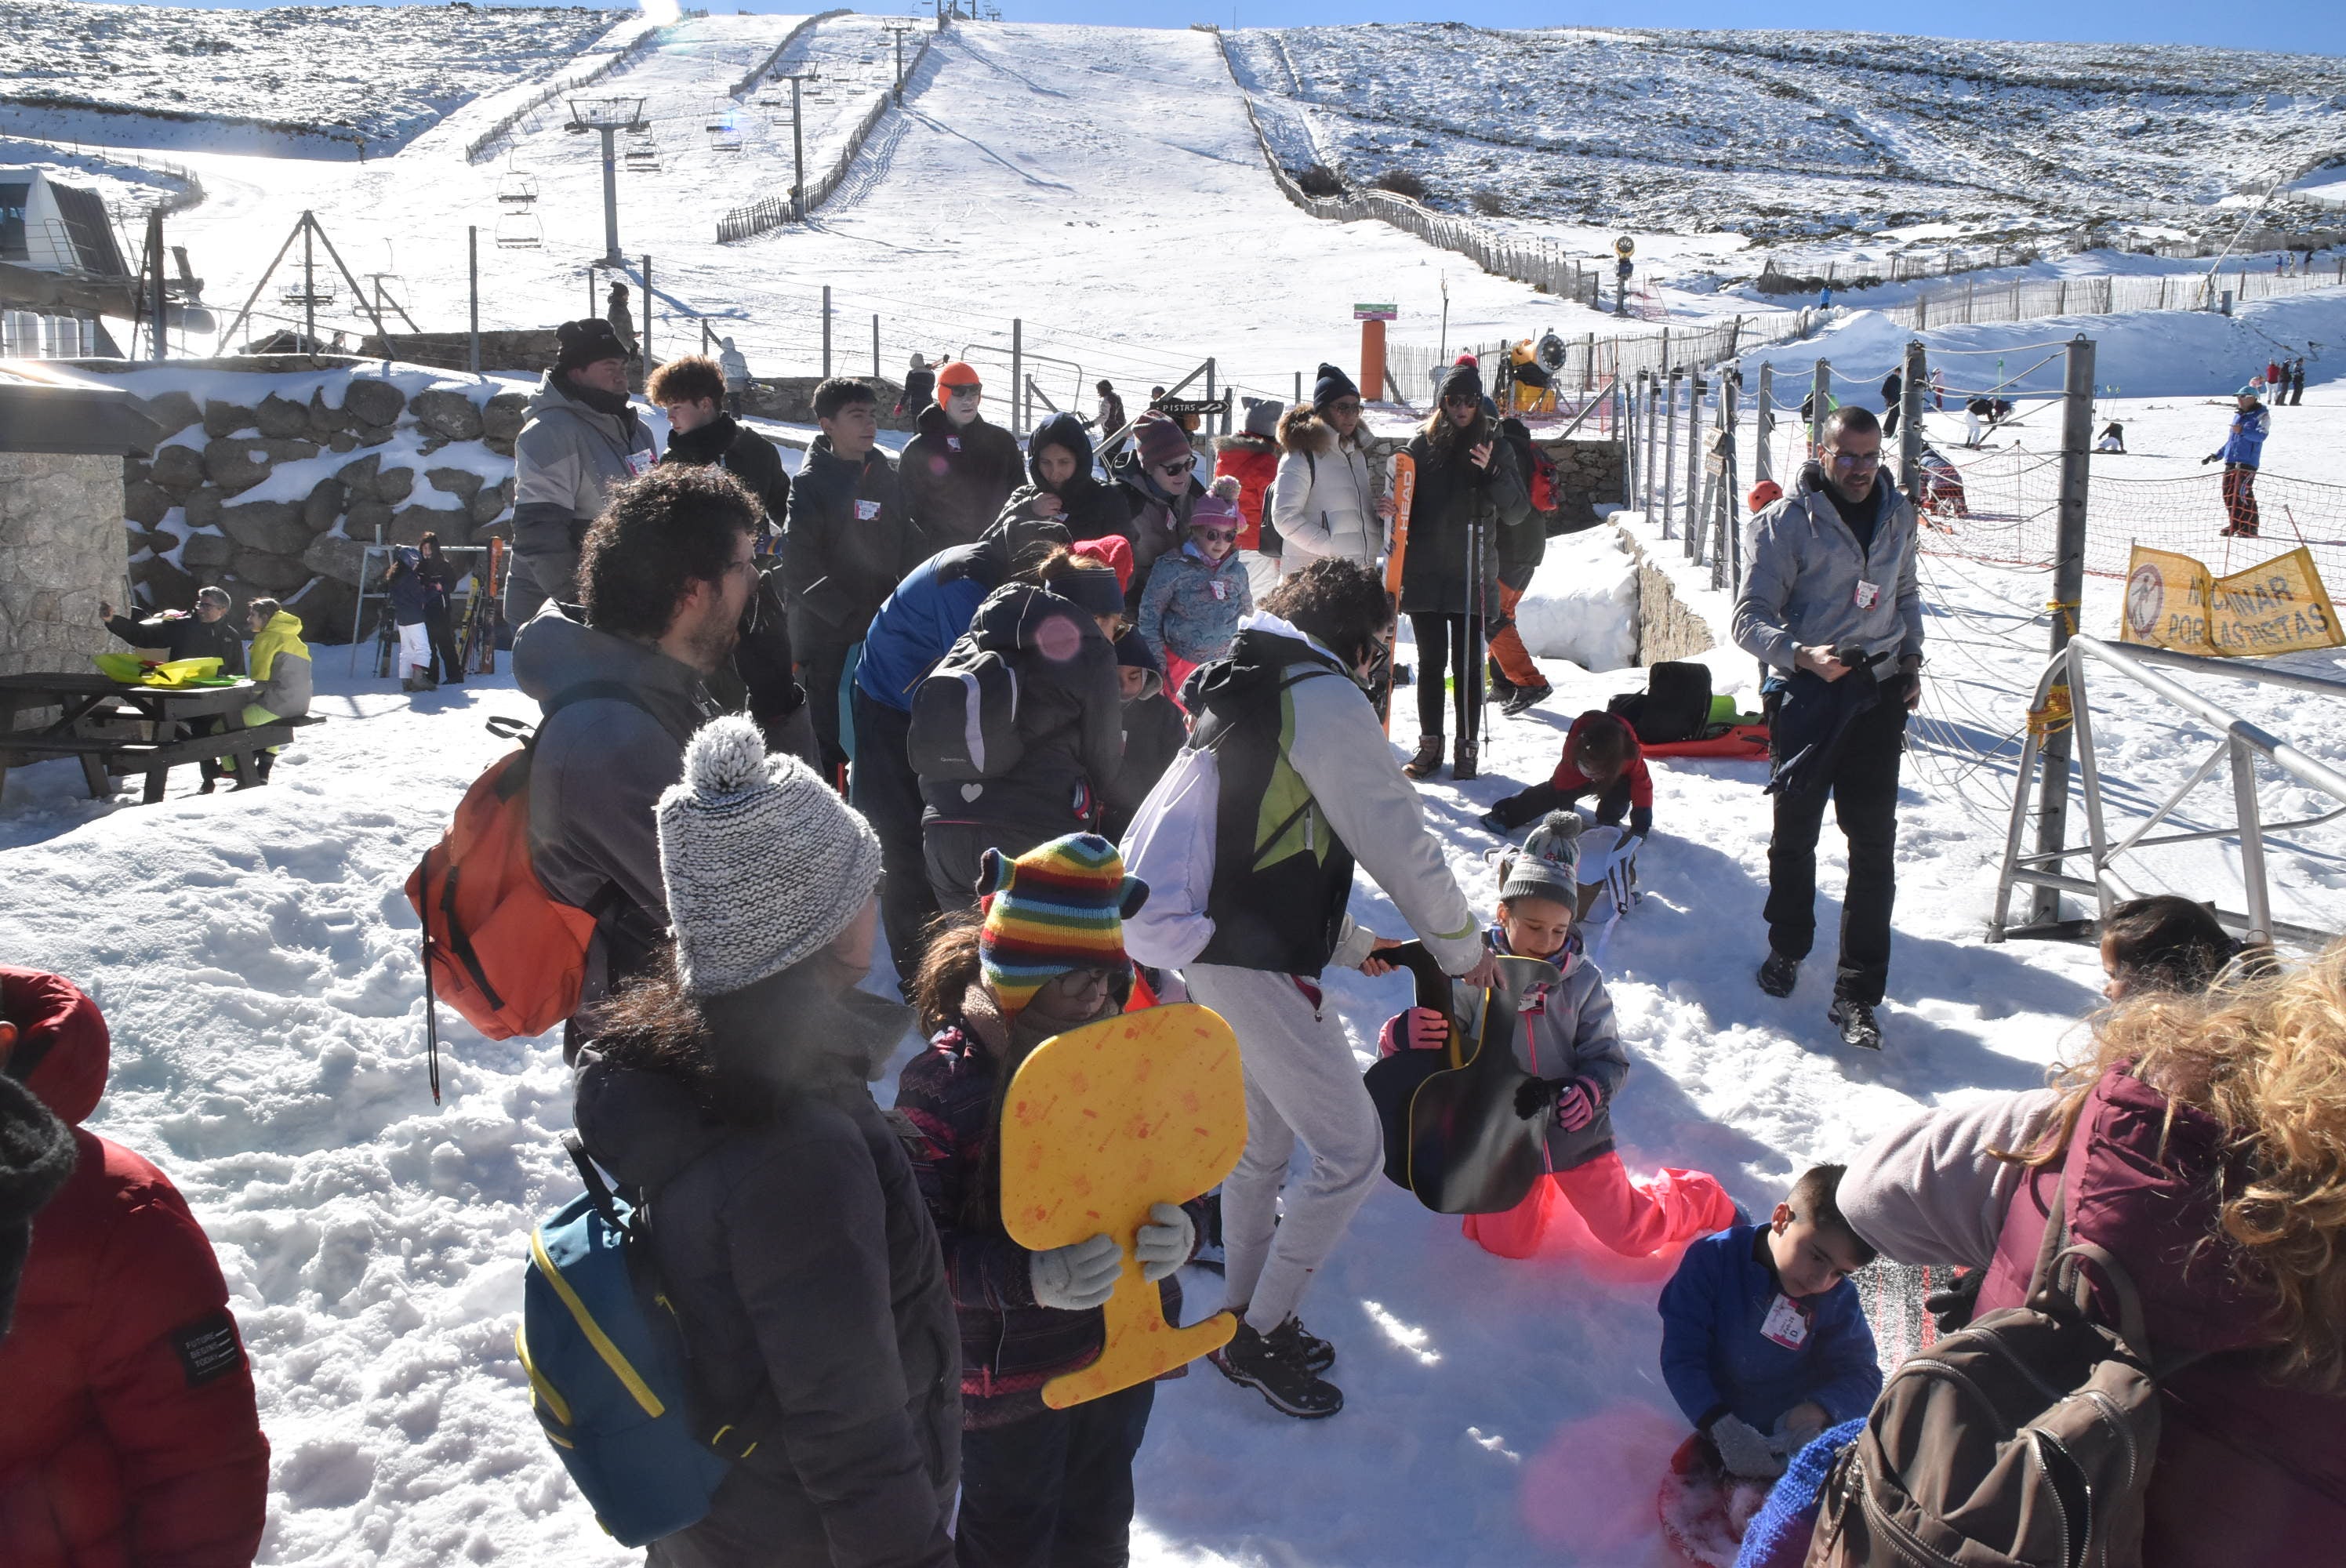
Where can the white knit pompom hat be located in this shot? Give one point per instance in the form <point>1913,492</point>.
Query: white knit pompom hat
<point>763,863</point>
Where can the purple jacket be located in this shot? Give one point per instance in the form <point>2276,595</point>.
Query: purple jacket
<point>2248,1473</point>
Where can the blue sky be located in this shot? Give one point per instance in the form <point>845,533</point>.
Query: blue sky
<point>2305,27</point>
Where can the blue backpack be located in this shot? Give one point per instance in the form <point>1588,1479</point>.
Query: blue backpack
<point>607,1368</point>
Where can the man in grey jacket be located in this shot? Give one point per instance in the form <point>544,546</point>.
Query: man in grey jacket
<point>1831,580</point>
<point>665,572</point>
<point>582,437</point>
<point>1305,783</point>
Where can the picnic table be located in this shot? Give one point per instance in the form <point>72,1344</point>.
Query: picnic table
<point>113,729</point>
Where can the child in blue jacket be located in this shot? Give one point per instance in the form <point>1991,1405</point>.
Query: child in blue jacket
<point>1763,1343</point>
<point>1196,597</point>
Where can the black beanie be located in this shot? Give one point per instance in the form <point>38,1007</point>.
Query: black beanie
<point>1330,385</point>
<point>1464,381</point>
<point>585,341</point>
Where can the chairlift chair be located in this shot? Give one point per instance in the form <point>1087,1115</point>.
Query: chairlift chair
<point>517,191</point>
<point>520,231</point>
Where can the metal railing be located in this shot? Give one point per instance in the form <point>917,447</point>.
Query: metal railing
<point>2240,745</point>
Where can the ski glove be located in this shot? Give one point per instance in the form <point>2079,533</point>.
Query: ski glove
<point>1575,1101</point>
<point>1743,1448</point>
<point>1418,1029</point>
<point>1166,1245</point>
<point>1077,1277</point>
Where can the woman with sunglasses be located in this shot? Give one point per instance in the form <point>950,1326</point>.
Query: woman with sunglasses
<point>1324,500</point>
<point>1196,597</point>
<point>1468,487</point>
<point>1160,483</point>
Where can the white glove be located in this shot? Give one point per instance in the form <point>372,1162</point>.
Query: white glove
<point>1078,1277</point>
<point>1743,1450</point>
<point>1796,1429</point>
<point>1165,1245</point>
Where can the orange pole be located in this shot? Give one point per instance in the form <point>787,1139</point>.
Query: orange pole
<point>1372,361</point>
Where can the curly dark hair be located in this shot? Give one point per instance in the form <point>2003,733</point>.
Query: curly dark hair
<point>656,537</point>
<point>689,380</point>
<point>1344,606</point>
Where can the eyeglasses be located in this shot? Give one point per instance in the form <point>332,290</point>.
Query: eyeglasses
<point>1215,533</point>
<point>1853,460</point>
<point>1171,469</point>
<point>1345,405</point>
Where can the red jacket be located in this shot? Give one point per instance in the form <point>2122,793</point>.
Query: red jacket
<point>128,1436</point>
<point>1572,783</point>
<point>2249,1474</point>
<point>1255,461</point>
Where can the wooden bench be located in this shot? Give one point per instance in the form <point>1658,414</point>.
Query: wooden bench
<point>94,713</point>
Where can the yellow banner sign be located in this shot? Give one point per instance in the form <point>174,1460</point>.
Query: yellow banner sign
<point>2274,607</point>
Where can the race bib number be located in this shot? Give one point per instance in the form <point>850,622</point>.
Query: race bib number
<point>1867,595</point>
<point>640,463</point>
<point>953,443</point>
<point>1787,1323</point>
<point>1221,590</point>
<point>866,510</point>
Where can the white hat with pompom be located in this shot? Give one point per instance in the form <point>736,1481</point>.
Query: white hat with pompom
<point>764,864</point>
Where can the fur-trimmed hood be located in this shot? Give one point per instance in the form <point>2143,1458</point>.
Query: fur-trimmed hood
<point>1300,429</point>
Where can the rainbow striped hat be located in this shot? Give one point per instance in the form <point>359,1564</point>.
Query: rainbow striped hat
<point>1057,907</point>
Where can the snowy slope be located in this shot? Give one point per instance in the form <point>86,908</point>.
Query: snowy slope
<point>381,73</point>
<point>1789,134</point>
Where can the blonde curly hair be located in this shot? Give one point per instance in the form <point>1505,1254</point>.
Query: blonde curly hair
<point>2263,1052</point>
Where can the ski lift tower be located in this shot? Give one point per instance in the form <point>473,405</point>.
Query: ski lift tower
<point>608,118</point>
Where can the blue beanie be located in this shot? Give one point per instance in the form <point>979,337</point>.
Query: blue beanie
<point>1330,385</point>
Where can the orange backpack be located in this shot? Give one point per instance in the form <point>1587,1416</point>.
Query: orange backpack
<point>507,955</point>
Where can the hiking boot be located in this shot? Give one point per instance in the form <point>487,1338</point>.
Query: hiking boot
<point>1291,1338</point>
<point>1276,1370</point>
<point>1855,1021</point>
<point>265,763</point>
<point>1523,698</point>
<point>407,683</point>
<point>1780,974</point>
<point>1428,761</point>
<point>1463,769</point>
<point>1491,820</point>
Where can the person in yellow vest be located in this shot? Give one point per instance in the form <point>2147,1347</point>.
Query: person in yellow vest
<point>279,661</point>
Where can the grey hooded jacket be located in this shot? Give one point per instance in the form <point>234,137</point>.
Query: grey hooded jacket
<point>599,769</point>
<point>1802,573</point>
<point>806,1274</point>
<point>566,460</point>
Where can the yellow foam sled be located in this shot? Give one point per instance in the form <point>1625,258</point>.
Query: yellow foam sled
<point>1101,1121</point>
<point>132,670</point>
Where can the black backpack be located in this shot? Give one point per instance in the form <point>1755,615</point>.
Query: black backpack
<point>964,724</point>
<point>1674,706</point>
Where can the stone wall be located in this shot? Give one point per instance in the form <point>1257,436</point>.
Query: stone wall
<point>528,349</point>
<point>61,553</point>
<point>790,400</point>
<point>1679,614</point>
<point>366,448</point>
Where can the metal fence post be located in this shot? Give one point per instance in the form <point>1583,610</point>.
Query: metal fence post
<point>875,346</point>
<point>1763,425</point>
<point>1648,386</point>
<point>2068,582</point>
<point>1910,426</point>
<point>647,315</point>
<point>1730,520</point>
<point>1820,397</point>
<point>2252,842</point>
<point>472,267</point>
<point>1669,452</point>
<point>1695,467</point>
<point>826,331</point>
<point>1017,374</point>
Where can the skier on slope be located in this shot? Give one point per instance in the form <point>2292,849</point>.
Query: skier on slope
<point>2242,450</point>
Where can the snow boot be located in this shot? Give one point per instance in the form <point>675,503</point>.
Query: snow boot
<point>1780,974</point>
<point>1464,767</point>
<point>1274,1368</point>
<point>1291,1338</point>
<point>1855,1021</point>
<point>1523,698</point>
<point>1428,761</point>
<point>407,683</point>
<point>210,769</point>
<point>1491,820</point>
<point>264,763</point>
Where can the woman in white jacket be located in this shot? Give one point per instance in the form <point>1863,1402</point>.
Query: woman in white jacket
<point>1324,501</point>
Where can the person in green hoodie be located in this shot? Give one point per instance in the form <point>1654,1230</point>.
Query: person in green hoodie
<point>279,661</point>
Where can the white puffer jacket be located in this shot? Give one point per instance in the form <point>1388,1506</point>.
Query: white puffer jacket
<point>1324,499</point>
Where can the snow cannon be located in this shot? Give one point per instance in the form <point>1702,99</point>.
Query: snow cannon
<point>1102,1122</point>
<point>1451,1134</point>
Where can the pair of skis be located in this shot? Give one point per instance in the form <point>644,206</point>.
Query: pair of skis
<point>1403,491</point>
<point>476,653</point>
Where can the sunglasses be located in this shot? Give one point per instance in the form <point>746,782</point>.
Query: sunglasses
<point>967,389</point>
<point>1216,534</point>
<point>1183,466</point>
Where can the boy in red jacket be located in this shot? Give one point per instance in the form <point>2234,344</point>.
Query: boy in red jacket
<point>1601,757</point>
<point>128,1428</point>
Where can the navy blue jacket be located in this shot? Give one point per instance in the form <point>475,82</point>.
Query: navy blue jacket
<point>1717,1361</point>
<point>931,607</point>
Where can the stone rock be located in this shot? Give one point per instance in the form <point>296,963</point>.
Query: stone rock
<point>395,485</point>
<point>487,506</point>
<point>361,518</point>
<point>234,466</point>
<point>410,524</point>
<point>430,445</point>
<point>174,411</point>
<point>502,419</point>
<point>458,481</point>
<point>275,573</point>
<point>178,469</point>
<point>226,418</point>
<point>206,552</point>
<point>343,441</point>
<point>324,503</point>
<point>371,435</point>
<point>273,526</point>
<point>289,450</point>
<point>145,504</point>
<point>327,606</point>
<point>325,420</point>
<point>502,448</point>
<point>332,556</point>
<point>154,540</point>
<point>372,402</point>
<point>165,584</point>
<point>203,506</point>
<point>360,477</point>
<point>282,416</point>
<point>136,470</point>
<point>446,412</point>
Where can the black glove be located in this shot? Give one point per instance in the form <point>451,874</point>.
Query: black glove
<point>2210,458</point>
<point>1533,1096</point>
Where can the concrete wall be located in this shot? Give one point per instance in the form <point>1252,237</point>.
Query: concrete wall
<point>1680,614</point>
<point>61,551</point>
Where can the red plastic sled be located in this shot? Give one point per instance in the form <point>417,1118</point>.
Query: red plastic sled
<point>1743,742</point>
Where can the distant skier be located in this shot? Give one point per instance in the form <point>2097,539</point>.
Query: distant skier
<point>1938,389</point>
<point>2272,374</point>
<point>920,389</point>
<point>2297,381</point>
<point>2242,448</point>
<point>1977,412</point>
<point>2113,438</point>
<point>1110,420</point>
<point>617,311</point>
<point>1893,392</point>
<point>735,369</point>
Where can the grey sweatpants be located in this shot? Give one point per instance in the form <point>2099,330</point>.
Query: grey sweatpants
<point>1301,1083</point>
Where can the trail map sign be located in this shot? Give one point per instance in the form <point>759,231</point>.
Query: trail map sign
<point>1376,312</point>
<point>2280,606</point>
<point>1187,407</point>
